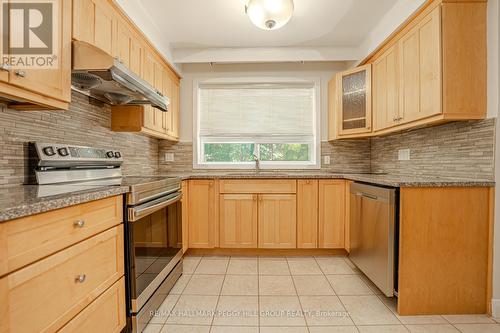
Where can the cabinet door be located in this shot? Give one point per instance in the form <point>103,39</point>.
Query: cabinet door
<point>202,213</point>
<point>123,43</point>
<point>148,74</point>
<point>159,124</point>
<point>54,83</point>
<point>174,130</point>
<point>354,112</point>
<point>331,214</point>
<point>167,91</point>
<point>307,214</point>
<point>104,26</point>
<point>238,221</point>
<point>277,221</point>
<point>83,20</point>
<point>136,55</point>
<point>185,215</point>
<point>420,63</point>
<point>385,89</point>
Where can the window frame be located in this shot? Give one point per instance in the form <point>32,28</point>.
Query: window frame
<point>198,144</point>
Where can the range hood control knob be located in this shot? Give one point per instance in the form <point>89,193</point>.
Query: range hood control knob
<point>63,151</point>
<point>110,154</point>
<point>118,154</point>
<point>49,151</point>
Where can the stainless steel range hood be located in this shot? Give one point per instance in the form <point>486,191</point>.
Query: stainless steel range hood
<point>97,74</point>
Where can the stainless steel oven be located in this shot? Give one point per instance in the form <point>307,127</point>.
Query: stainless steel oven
<point>154,245</point>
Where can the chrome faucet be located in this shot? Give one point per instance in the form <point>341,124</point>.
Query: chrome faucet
<point>257,163</point>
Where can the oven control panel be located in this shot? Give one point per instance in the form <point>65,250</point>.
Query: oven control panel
<point>76,155</point>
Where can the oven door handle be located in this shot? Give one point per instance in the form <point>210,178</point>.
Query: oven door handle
<point>139,212</point>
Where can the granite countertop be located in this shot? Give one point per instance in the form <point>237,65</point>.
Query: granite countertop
<point>24,200</point>
<point>378,179</point>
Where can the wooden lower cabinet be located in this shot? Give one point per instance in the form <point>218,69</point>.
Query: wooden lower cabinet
<point>47,294</point>
<point>202,213</point>
<point>445,250</point>
<point>277,221</point>
<point>106,314</point>
<point>238,220</point>
<point>307,214</point>
<point>331,211</point>
<point>185,215</point>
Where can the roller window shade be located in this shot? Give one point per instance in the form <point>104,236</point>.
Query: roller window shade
<point>259,110</point>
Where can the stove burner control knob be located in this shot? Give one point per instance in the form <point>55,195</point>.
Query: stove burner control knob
<point>49,151</point>
<point>63,151</point>
<point>110,154</point>
<point>118,154</point>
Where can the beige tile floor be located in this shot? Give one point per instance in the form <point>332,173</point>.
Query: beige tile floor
<point>290,295</point>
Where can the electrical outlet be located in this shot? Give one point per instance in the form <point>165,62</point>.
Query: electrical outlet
<point>404,154</point>
<point>326,159</point>
<point>169,157</point>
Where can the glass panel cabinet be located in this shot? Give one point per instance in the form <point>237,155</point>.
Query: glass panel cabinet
<point>353,110</point>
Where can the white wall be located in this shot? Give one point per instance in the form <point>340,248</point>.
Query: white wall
<point>322,70</point>
<point>493,111</point>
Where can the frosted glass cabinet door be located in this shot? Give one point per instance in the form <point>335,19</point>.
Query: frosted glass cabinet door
<point>354,101</point>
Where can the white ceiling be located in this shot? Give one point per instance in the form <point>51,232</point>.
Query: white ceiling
<point>220,31</point>
<point>223,23</point>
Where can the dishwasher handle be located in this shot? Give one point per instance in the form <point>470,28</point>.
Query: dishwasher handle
<point>368,196</point>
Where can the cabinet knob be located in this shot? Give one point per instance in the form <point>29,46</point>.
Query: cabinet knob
<point>79,223</point>
<point>5,67</point>
<point>20,73</point>
<point>211,184</point>
<point>254,198</point>
<point>80,278</point>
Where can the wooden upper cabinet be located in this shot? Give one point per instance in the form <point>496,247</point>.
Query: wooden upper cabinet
<point>307,213</point>
<point>385,88</point>
<point>353,108</point>
<point>175,109</point>
<point>331,214</point>
<point>123,37</point>
<point>420,63</point>
<point>94,22</point>
<point>4,73</point>
<point>431,71</point>
<point>202,214</point>
<point>104,20</point>
<point>50,88</point>
<point>277,221</point>
<point>136,55</point>
<point>238,221</point>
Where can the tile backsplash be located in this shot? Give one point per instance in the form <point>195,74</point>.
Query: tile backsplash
<point>458,149</point>
<point>83,124</point>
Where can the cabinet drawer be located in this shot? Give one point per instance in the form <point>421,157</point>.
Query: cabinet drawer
<point>258,186</point>
<point>44,296</point>
<point>26,240</point>
<point>105,314</point>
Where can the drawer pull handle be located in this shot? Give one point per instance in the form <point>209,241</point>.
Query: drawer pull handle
<point>21,73</point>
<point>80,278</point>
<point>79,223</point>
<point>5,67</point>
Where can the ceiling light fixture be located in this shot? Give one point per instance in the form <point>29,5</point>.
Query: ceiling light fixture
<point>269,14</point>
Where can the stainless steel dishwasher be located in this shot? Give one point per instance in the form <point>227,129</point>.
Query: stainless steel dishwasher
<point>373,233</point>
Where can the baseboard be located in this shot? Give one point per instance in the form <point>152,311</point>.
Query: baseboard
<point>495,308</point>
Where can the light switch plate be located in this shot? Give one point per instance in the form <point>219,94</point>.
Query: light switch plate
<point>404,154</point>
<point>169,157</point>
<point>326,159</point>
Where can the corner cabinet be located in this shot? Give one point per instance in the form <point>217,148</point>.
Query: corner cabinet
<point>431,71</point>
<point>353,101</point>
<point>36,88</point>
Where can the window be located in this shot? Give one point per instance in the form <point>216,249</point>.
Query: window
<point>237,122</point>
